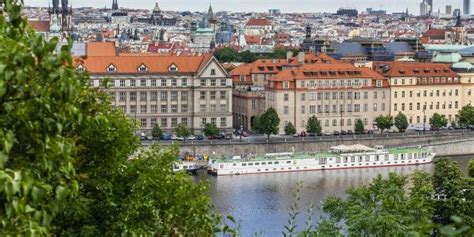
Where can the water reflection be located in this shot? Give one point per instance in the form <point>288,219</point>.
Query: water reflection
<point>260,203</point>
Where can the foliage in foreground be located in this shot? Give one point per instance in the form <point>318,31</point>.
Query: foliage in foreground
<point>64,154</point>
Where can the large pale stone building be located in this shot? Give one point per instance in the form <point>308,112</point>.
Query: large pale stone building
<point>165,90</point>
<point>421,89</point>
<point>336,93</point>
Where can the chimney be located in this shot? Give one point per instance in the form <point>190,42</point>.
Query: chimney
<point>301,56</point>
<point>289,55</point>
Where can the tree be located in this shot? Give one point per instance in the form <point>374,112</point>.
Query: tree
<point>182,131</point>
<point>157,131</point>
<point>401,122</point>
<point>470,168</point>
<point>465,116</point>
<point>384,122</point>
<point>268,123</point>
<point>438,121</point>
<point>290,129</point>
<point>386,207</point>
<point>65,166</point>
<point>211,130</point>
<point>279,53</point>
<point>247,57</point>
<point>226,54</point>
<point>359,126</point>
<point>313,126</point>
<point>453,123</point>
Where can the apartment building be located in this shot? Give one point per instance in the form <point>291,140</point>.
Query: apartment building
<point>421,89</point>
<point>165,90</point>
<point>465,71</point>
<point>250,82</point>
<point>336,93</point>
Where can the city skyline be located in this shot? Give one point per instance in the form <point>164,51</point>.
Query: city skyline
<point>261,6</point>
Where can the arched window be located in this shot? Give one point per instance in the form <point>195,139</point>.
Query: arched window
<point>334,122</point>
<point>349,122</point>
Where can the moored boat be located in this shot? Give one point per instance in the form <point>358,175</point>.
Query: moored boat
<point>188,166</point>
<point>339,157</point>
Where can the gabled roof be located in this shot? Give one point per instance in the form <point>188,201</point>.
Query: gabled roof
<point>413,69</point>
<point>326,71</point>
<point>155,63</point>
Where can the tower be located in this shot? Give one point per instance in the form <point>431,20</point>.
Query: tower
<point>115,5</point>
<point>66,15</point>
<point>212,19</point>
<point>308,31</point>
<point>459,31</point>
<point>466,7</point>
<point>156,16</point>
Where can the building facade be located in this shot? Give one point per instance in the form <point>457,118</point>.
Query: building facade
<point>165,90</point>
<point>337,94</point>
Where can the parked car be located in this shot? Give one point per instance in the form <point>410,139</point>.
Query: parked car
<point>370,131</point>
<point>166,137</point>
<point>350,132</point>
<point>336,133</point>
<point>199,137</point>
<point>228,136</point>
<point>303,134</point>
<point>142,136</point>
<point>296,135</point>
<point>191,138</point>
<point>327,134</point>
<point>245,134</point>
<point>149,137</point>
<point>343,132</point>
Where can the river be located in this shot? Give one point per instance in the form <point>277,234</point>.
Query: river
<point>261,203</point>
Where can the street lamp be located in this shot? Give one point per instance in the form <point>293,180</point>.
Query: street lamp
<point>340,123</point>
<point>424,118</point>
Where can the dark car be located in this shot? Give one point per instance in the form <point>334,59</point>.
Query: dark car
<point>199,137</point>
<point>350,132</point>
<point>370,131</point>
<point>336,133</point>
<point>165,137</point>
<point>303,134</point>
<point>343,132</point>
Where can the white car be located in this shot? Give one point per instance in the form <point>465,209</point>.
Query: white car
<point>191,138</point>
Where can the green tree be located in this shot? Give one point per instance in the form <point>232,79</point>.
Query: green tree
<point>65,166</point>
<point>268,123</point>
<point>156,131</point>
<point>182,131</point>
<point>465,116</point>
<point>247,57</point>
<point>401,122</point>
<point>438,121</point>
<point>226,54</point>
<point>313,126</point>
<point>384,122</point>
<point>359,126</point>
<point>386,207</point>
<point>279,53</point>
<point>290,129</point>
<point>454,123</point>
<point>211,130</point>
<point>470,168</point>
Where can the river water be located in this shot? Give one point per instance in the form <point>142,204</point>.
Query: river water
<point>261,203</point>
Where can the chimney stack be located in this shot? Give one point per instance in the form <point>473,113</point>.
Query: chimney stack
<point>301,56</point>
<point>289,55</point>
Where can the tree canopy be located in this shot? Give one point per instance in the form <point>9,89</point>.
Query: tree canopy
<point>313,125</point>
<point>465,116</point>
<point>384,122</point>
<point>210,130</point>
<point>267,123</point>
<point>290,129</point>
<point>438,121</point>
<point>401,122</point>
<point>182,130</point>
<point>359,126</point>
<point>156,131</point>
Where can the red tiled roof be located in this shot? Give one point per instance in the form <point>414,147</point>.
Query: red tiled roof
<point>259,22</point>
<point>326,71</point>
<point>101,49</point>
<point>40,26</point>
<point>250,39</point>
<point>154,63</point>
<point>414,69</point>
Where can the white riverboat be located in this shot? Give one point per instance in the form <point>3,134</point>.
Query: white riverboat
<point>188,166</point>
<point>339,157</point>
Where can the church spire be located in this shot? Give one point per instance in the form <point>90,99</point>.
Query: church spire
<point>115,5</point>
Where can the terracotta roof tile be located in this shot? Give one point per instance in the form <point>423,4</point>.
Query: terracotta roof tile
<point>259,22</point>
<point>101,49</point>
<point>40,26</point>
<point>414,69</point>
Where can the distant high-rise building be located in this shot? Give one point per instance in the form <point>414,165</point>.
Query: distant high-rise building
<point>449,9</point>
<point>274,12</point>
<point>426,7</point>
<point>466,7</point>
<point>457,12</point>
<point>115,5</point>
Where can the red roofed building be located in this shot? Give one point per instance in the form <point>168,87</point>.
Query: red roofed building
<point>42,27</point>
<point>165,90</point>
<point>258,27</point>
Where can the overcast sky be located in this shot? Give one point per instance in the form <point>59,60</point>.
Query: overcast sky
<point>262,5</point>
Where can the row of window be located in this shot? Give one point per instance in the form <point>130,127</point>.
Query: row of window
<point>174,108</point>
<point>426,107</point>
<point>173,95</point>
<point>161,83</point>
<point>334,122</point>
<point>438,93</point>
<point>430,80</point>
<point>336,95</point>
<point>173,122</point>
<point>349,108</point>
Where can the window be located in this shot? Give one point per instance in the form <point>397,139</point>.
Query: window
<point>395,107</point>
<point>133,96</point>
<point>173,68</point>
<point>164,108</point>
<point>133,108</point>
<point>184,95</point>
<point>164,95</point>
<point>154,108</point>
<point>212,95</point>
<point>242,78</point>
<point>152,122</point>
<point>213,108</point>
<point>122,96</point>
<point>285,109</point>
<point>202,95</point>
<point>81,68</point>
<point>213,120</point>
<point>174,108</point>
<point>303,96</point>
<point>153,95</point>
<point>203,122</point>
<point>174,82</point>
<point>366,95</point>
<point>334,122</point>
<point>223,108</point>
<point>143,109</point>
<point>153,83</point>
<point>383,107</point>
<point>285,97</point>
<point>202,82</point>
<point>164,123</point>
<point>303,109</point>
<point>213,82</point>
<point>143,95</point>
<point>213,72</point>
<point>223,122</point>
<point>286,85</point>
<point>223,82</point>
<point>133,83</point>
<point>223,95</point>
<point>163,82</point>
<point>111,68</point>
<point>202,108</point>
<point>143,122</point>
<point>184,121</point>
<point>375,94</point>
<point>112,96</point>
<point>184,108</point>
<point>174,122</point>
<point>122,83</point>
<point>142,68</point>
<point>174,96</point>
<point>184,82</point>
<point>143,83</point>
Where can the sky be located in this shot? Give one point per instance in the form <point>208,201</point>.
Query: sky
<point>262,5</point>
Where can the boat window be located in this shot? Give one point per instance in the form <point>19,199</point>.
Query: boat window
<point>258,170</point>
<point>346,159</point>
<point>250,164</point>
<point>386,157</point>
<point>395,157</point>
<point>222,166</point>
<point>244,164</point>
<point>360,158</point>
<point>402,156</point>
<point>367,158</point>
<point>234,164</point>
<point>269,163</point>
<point>322,161</point>
<point>377,158</point>
<point>257,163</point>
<point>276,162</point>
<point>353,159</point>
<point>264,163</point>
<point>288,162</point>
<point>338,159</point>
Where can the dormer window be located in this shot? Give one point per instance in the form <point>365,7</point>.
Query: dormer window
<point>173,68</point>
<point>143,68</point>
<point>80,68</point>
<point>213,72</point>
<point>111,68</point>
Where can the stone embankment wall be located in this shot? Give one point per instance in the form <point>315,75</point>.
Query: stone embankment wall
<point>444,145</point>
